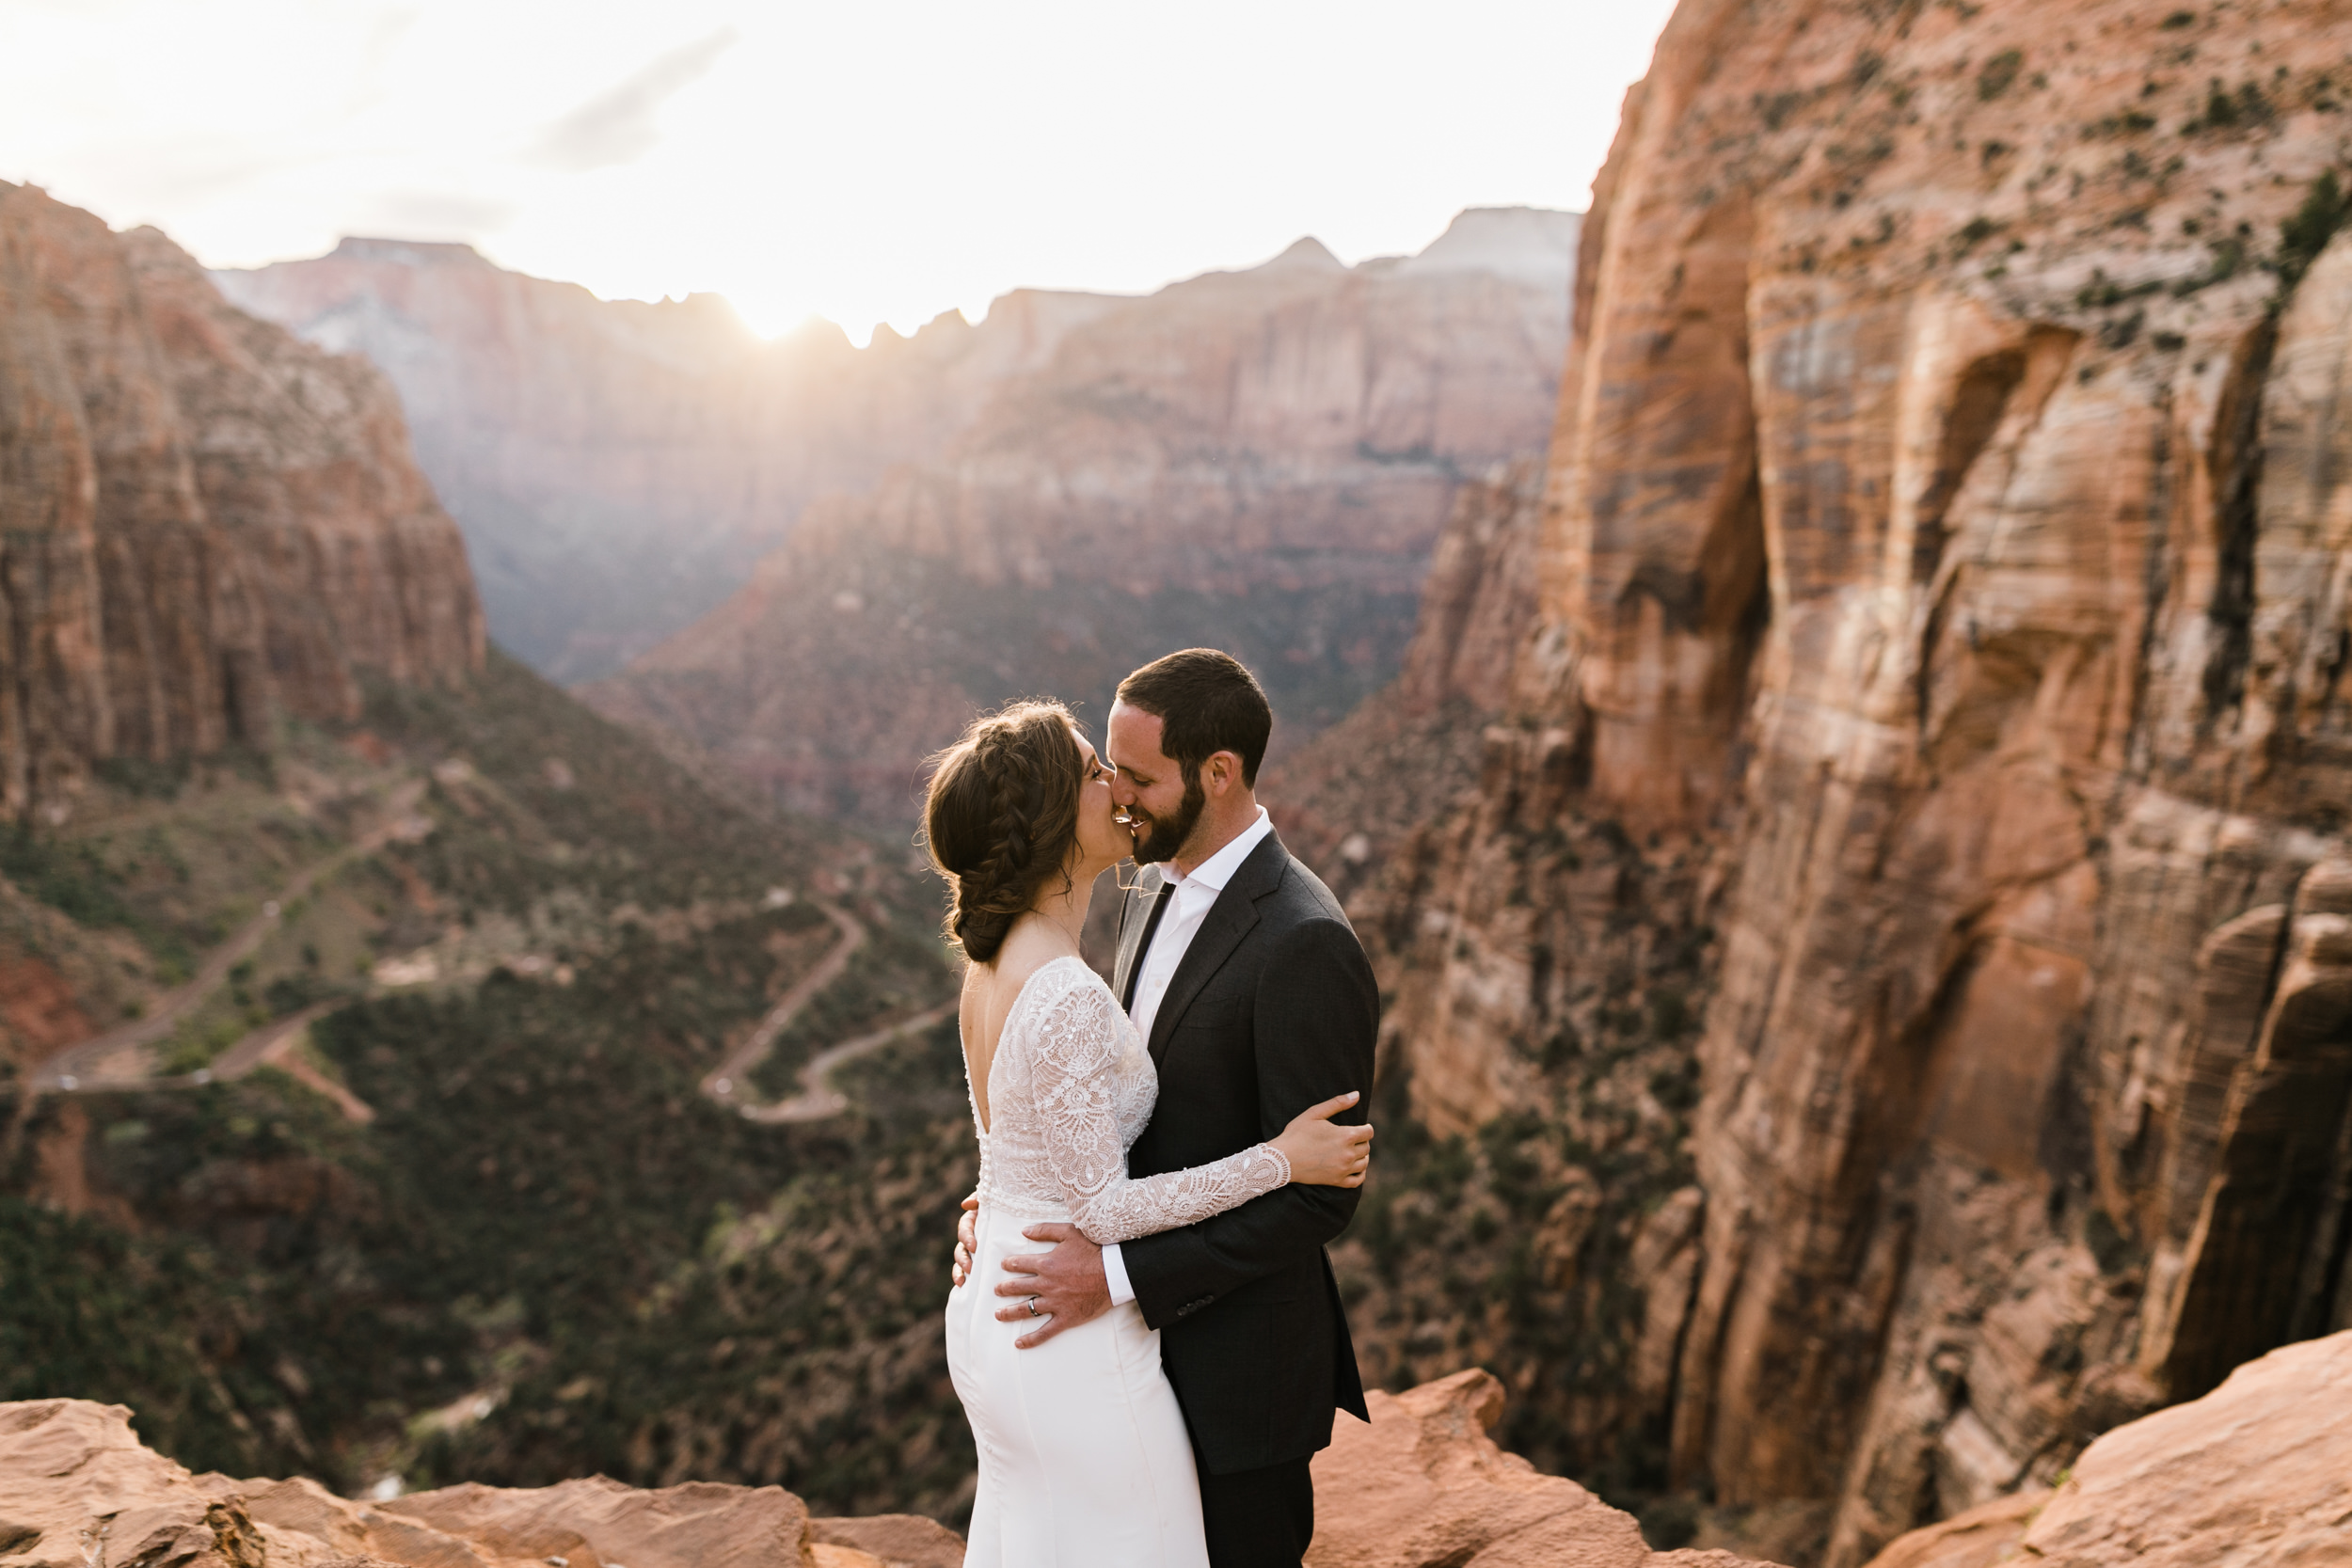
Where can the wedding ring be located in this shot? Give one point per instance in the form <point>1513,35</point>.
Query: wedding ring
<point>1033,1306</point>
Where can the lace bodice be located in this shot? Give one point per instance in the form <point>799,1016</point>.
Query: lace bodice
<point>1069,1090</point>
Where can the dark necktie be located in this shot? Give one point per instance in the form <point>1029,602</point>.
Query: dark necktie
<point>1135,971</point>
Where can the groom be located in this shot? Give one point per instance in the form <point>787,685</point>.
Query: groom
<point>1257,1002</point>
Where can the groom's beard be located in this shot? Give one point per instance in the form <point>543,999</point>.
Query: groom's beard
<point>1169,833</point>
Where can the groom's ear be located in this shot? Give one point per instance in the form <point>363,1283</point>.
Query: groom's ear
<point>1221,774</point>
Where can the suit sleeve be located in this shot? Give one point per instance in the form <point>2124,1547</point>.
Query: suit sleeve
<point>1316,1017</point>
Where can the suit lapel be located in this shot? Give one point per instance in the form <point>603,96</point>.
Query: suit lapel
<point>1228,921</point>
<point>1138,917</point>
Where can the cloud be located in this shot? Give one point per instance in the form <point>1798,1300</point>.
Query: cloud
<point>617,125</point>
<point>436,214</point>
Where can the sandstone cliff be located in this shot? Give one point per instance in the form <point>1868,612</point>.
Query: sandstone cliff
<point>618,465</point>
<point>1260,459</point>
<point>1944,551</point>
<point>205,522</point>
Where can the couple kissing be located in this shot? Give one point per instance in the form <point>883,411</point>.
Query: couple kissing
<point>1149,1392</point>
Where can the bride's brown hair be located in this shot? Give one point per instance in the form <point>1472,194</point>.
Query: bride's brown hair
<point>1000,816</point>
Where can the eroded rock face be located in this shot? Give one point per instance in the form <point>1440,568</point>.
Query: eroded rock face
<point>1945,534</point>
<point>2260,1470</point>
<point>1260,460</point>
<point>206,522</point>
<point>1424,1485</point>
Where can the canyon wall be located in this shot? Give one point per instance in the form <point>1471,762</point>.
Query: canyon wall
<point>618,465</point>
<point>1261,460</point>
<point>1944,547</point>
<point>203,521</point>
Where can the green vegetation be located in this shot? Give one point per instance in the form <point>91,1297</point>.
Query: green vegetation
<point>794,1337</point>
<point>277,1289</point>
<point>1999,74</point>
<point>547,1218</point>
<point>2326,207</point>
<point>251,1321</point>
<point>69,878</point>
<point>2226,110</point>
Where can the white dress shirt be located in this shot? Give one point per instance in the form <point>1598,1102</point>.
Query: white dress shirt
<point>1194,896</point>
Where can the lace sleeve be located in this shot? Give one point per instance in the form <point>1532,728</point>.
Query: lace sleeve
<point>1076,1046</point>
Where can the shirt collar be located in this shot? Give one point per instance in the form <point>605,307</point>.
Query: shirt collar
<point>1218,869</point>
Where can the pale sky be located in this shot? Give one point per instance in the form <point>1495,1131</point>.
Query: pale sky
<point>860,160</point>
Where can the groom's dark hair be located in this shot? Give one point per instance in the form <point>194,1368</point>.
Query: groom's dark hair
<point>1206,703</point>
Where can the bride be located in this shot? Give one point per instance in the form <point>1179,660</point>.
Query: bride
<point>1084,1457</point>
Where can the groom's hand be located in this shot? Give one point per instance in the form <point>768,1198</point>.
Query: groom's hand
<point>1067,1283</point>
<point>968,1241</point>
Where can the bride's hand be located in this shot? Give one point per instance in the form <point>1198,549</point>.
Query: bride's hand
<point>1322,1153</point>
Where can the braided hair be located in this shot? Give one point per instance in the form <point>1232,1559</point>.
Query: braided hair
<point>1000,816</point>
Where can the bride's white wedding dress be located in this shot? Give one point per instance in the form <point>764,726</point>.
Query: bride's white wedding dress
<point>1084,1460</point>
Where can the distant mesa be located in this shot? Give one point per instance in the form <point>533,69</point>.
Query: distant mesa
<point>407,253</point>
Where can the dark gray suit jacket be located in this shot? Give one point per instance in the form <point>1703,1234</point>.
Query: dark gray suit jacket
<point>1273,1008</point>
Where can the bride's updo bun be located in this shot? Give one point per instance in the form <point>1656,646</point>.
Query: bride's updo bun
<point>1000,816</point>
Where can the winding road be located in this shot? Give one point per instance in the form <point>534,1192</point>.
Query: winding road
<point>85,1066</point>
<point>818,1098</point>
<point>118,1060</point>
<point>726,1081</point>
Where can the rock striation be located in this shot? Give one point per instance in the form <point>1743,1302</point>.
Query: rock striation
<point>1945,540</point>
<point>619,466</point>
<point>1260,459</point>
<point>203,521</point>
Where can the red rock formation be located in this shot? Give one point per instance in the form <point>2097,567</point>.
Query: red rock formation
<point>1260,459</point>
<point>205,523</point>
<point>896,1539</point>
<point>1945,531</point>
<point>1424,1484</point>
<point>77,1487</point>
<point>1985,1535</point>
<point>2260,1470</point>
<point>618,465</point>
